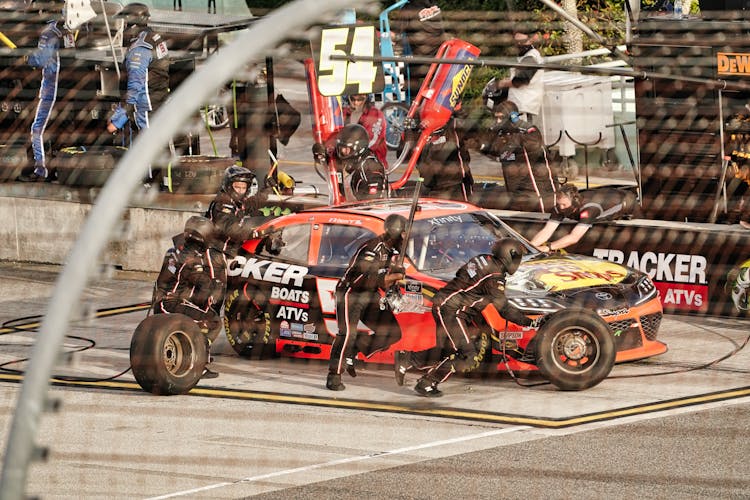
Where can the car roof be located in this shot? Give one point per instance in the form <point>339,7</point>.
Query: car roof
<point>382,208</point>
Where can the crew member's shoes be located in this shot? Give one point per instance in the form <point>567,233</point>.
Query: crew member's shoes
<point>428,388</point>
<point>333,382</point>
<point>39,174</point>
<point>350,367</point>
<point>207,373</point>
<point>401,364</point>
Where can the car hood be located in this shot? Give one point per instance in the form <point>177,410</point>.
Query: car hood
<point>559,273</point>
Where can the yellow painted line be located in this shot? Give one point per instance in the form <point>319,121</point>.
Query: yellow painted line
<point>479,416</point>
<point>99,314</point>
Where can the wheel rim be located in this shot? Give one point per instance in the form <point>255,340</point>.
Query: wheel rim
<point>575,350</point>
<point>178,354</point>
<point>394,118</point>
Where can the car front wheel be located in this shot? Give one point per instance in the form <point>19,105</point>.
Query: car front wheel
<point>575,349</point>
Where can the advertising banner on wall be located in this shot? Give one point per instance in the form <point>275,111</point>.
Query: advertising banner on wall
<point>698,268</point>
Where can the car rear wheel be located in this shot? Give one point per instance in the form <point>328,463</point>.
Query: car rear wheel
<point>248,327</point>
<point>168,354</point>
<point>575,349</point>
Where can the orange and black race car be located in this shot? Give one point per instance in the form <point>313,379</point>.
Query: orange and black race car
<point>280,298</point>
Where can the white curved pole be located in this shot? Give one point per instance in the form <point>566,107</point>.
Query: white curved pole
<point>252,45</point>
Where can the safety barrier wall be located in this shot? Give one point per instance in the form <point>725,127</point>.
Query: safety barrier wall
<point>44,231</point>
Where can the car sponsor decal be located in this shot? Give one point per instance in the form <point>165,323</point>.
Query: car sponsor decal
<point>266,270</point>
<point>554,274</point>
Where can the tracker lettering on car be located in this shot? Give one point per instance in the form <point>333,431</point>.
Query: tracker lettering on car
<point>265,270</point>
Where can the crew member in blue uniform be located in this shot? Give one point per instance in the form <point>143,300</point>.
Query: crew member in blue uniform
<point>47,57</point>
<point>147,67</point>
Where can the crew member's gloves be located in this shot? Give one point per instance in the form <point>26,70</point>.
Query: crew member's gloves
<point>319,153</point>
<point>392,278</point>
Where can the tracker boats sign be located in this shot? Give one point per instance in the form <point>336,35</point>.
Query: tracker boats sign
<point>680,278</point>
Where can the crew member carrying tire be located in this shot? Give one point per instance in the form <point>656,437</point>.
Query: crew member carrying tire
<point>479,282</point>
<point>358,299</point>
<point>193,280</point>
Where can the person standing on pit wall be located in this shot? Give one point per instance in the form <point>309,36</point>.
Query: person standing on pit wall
<point>530,184</point>
<point>358,299</point>
<point>211,3</point>
<point>597,205</point>
<point>525,86</point>
<point>147,67</point>
<point>235,211</point>
<point>47,57</point>
<point>360,109</point>
<point>193,280</point>
<point>478,283</point>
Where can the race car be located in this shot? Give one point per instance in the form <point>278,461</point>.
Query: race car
<point>280,296</point>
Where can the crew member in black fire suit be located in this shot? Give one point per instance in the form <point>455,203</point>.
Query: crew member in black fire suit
<point>353,156</point>
<point>357,299</point>
<point>235,211</point>
<point>530,183</point>
<point>588,207</point>
<point>147,67</point>
<point>444,161</point>
<point>193,279</point>
<point>479,282</point>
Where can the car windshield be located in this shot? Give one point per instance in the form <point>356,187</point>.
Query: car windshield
<point>440,245</point>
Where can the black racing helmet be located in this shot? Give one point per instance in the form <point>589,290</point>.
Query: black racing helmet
<point>393,226</point>
<point>236,173</point>
<point>135,14</point>
<point>200,229</point>
<point>508,252</point>
<point>353,136</point>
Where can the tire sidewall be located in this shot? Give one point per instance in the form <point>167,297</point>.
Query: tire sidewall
<point>571,380</point>
<point>147,354</point>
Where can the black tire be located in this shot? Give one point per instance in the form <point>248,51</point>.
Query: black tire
<point>394,113</point>
<point>247,327</point>
<point>168,354</point>
<point>574,349</point>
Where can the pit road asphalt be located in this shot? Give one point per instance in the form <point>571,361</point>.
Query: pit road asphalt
<point>270,427</point>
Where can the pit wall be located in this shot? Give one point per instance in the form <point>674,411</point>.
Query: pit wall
<point>44,231</point>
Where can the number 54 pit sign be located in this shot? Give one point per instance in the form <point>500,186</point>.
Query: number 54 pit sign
<point>339,77</point>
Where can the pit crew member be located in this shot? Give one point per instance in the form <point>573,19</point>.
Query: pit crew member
<point>478,283</point>
<point>353,156</point>
<point>235,211</point>
<point>357,299</point>
<point>589,207</point>
<point>147,67</point>
<point>362,110</point>
<point>193,280</point>
<point>47,57</point>
<point>519,147</point>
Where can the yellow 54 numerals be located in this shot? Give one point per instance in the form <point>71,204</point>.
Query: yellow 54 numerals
<point>337,77</point>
